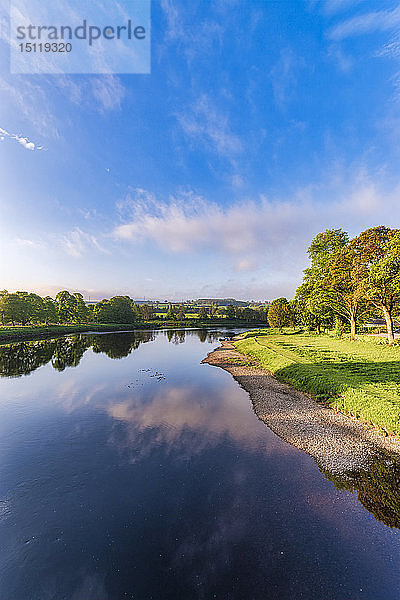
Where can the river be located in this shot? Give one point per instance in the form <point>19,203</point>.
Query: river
<point>128,470</point>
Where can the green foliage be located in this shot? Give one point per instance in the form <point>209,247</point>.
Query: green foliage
<point>171,315</point>
<point>118,309</point>
<point>181,313</point>
<point>230,311</point>
<point>362,377</point>
<point>377,270</point>
<point>202,313</point>
<point>12,309</point>
<point>280,314</point>
<point>80,311</point>
<point>312,308</point>
<point>324,245</point>
<point>146,312</point>
<point>49,310</point>
<point>65,306</point>
<point>350,278</point>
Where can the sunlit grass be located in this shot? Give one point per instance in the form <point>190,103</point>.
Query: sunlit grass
<point>361,377</point>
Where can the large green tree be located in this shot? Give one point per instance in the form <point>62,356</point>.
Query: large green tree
<point>312,308</point>
<point>50,310</point>
<point>280,314</point>
<point>13,308</point>
<point>66,303</point>
<point>341,290</point>
<point>80,310</point>
<point>118,309</point>
<point>377,270</point>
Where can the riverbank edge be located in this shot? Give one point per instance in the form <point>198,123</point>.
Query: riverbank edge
<point>338,442</point>
<point>33,333</point>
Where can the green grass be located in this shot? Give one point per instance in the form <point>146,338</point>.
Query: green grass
<point>361,377</point>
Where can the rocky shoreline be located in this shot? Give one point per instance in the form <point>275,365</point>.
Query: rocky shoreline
<point>338,443</point>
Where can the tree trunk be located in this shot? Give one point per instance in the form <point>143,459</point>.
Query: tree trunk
<point>389,324</point>
<point>318,328</point>
<point>353,327</point>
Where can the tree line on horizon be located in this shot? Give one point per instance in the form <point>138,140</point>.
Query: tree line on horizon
<point>29,308</point>
<point>348,282</point>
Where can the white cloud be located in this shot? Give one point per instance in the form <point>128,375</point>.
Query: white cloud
<point>24,141</point>
<point>77,242</point>
<point>380,20</point>
<point>108,91</point>
<point>343,61</point>
<point>331,7</point>
<point>258,233</point>
<point>203,124</point>
<point>284,76</point>
<point>174,29</point>
<point>31,244</point>
<point>237,181</point>
<point>245,265</point>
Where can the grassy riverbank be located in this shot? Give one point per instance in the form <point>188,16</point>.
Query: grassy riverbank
<point>361,377</point>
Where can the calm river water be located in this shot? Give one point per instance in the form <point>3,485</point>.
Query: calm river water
<point>128,470</point>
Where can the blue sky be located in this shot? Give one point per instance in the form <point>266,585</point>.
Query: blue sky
<point>261,124</point>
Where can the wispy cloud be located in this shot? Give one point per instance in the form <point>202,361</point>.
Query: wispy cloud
<point>24,141</point>
<point>331,7</point>
<point>174,29</point>
<point>284,76</point>
<point>77,242</point>
<point>108,91</point>
<point>31,244</point>
<point>343,61</point>
<point>380,20</point>
<point>203,124</point>
<point>257,233</point>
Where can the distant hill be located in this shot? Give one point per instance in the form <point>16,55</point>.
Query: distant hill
<point>221,301</point>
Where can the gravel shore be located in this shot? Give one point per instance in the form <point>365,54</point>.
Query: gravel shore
<point>337,442</point>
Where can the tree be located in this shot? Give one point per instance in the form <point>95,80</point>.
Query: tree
<point>80,310</point>
<point>50,310</point>
<point>181,313</point>
<point>377,270</point>
<point>311,299</point>
<point>279,314</point>
<point>249,314</point>
<point>118,309</point>
<point>202,313</point>
<point>230,312</point>
<point>213,310</point>
<point>65,306</point>
<point>147,312</point>
<point>35,308</point>
<point>341,291</point>
<point>309,308</point>
<point>12,308</point>
<point>171,313</point>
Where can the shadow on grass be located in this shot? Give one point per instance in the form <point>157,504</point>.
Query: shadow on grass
<point>332,377</point>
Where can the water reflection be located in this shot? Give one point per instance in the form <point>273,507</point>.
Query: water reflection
<point>186,420</point>
<point>119,484</point>
<point>23,358</point>
<point>378,488</point>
